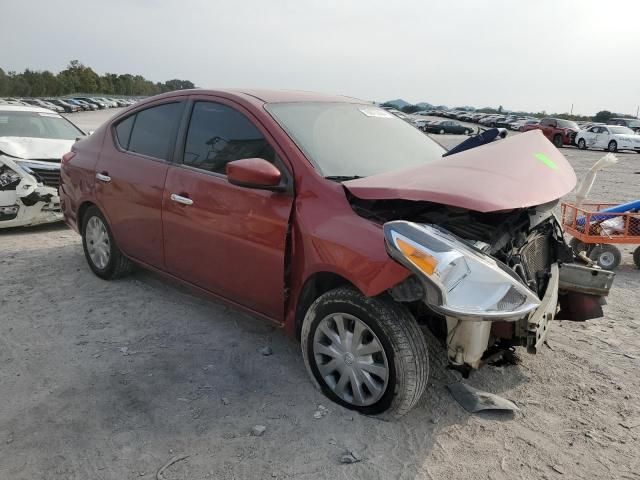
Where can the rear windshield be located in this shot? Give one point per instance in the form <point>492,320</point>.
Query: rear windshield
<point>347,139</point>
<point>37,125</point>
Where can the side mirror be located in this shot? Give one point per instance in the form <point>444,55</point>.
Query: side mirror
<point>254,173</point>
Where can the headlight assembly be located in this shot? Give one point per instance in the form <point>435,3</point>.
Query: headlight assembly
<point>460,281</point>
<point>8,177</point>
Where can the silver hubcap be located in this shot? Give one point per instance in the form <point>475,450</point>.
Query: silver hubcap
<point>98,244</point>
<point>606,259</point>
<point>350,359</point>
<point>612,147</point>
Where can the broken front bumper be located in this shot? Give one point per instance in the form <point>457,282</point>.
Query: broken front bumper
<point>578,290</point>
<point>26,202</point>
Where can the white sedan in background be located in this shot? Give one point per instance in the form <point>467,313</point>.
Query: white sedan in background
<point>608,137</point>
<point>32,142</point>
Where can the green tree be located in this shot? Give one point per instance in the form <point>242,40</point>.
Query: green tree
<point>602,116</point>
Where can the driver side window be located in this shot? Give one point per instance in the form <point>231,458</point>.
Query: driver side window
<point>218,135</point>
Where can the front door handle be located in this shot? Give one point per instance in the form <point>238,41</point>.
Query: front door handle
<point>103,178</point>
<point>180,199</point>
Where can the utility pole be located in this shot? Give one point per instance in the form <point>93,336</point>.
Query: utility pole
<point>638,112</point>
<point>572,109</point>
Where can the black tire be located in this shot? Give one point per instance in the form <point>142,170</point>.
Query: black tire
<point>117,265</point>
<point>441,132</point>
<point>557,141</point>
<point>636,257</point>
<point>608,257</point>
<point>396,329</point>
<point>577,246</point>
<point>613,146</point>
<point>582,145</point>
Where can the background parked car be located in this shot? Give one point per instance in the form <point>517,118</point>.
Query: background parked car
<point>632,123</point>
<point>447,126</point>
<point>32,142</point>
<point>68,107</point>
<point>560,132</point>
<point>99,103</point>
<point>608,137</point>
<point>89,106</point>
<point>36,102</point>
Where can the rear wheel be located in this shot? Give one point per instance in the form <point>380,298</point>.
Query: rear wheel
<point>613,146</point>
<point>441,132</point>
<point>557,141</point>
<point>366,354</point>
<point>636,257</point>
<point>467,132</point>
<point>582,145</point>
<point>103,255</point>
<point>606,256</point>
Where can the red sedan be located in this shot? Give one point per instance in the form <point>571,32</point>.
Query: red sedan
<point>337,221</point>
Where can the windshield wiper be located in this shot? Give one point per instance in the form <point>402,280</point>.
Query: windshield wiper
<point>342,178</point>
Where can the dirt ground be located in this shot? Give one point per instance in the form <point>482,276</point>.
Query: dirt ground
<point>112,380</point>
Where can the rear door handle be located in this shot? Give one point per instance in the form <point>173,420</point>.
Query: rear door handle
<point>103,178</point>
<point>180,199</point>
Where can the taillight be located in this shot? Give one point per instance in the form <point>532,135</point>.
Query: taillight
<point>66,158</point>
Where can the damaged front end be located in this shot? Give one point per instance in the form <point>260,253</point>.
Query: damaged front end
<point>487,280</point>
<point>25,198</point>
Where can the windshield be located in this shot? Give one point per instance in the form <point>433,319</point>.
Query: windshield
<point>568,124</point>
<point>621,130</point>
<point>37,125</point>
<point>346,139</point>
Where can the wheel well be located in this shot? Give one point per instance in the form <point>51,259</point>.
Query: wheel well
<point>316,285</point>
<point>81,211</point>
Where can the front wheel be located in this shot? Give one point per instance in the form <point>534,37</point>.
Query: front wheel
<point>441,132</point>
<point>366,354</point>
<point>103,255</point>
<point>613,146</point>
<point>557,141</point>
<point>582,145</point>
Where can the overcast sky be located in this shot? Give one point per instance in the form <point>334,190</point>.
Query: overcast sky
<point>533,55</point>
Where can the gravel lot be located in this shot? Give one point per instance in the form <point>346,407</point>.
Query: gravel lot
<point>111,380</point>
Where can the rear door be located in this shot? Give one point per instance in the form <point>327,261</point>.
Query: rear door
<point>224,238</point>
<point>130,178</point>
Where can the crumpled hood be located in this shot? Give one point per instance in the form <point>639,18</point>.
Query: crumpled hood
<point>35,148</point>
<point>520,171</point>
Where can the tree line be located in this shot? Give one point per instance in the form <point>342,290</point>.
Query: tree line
<point>79,78</point>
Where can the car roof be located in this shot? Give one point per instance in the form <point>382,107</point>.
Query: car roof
<point>268,96</point>
<point>21,108</point>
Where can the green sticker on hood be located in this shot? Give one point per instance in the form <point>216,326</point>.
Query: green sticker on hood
<point>546,160</point>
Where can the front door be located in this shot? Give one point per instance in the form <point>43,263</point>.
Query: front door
<point>130,177</point>
<point>602,139</point>
<point>227,239</point>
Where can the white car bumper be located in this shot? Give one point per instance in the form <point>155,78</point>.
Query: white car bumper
<point>27,202</point>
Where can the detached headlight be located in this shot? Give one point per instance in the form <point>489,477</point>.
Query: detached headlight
<point>460,281</point>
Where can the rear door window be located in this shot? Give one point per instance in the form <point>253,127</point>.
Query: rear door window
<point>123,131</point>
<point>154,130</point>
<point>218,134</point>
